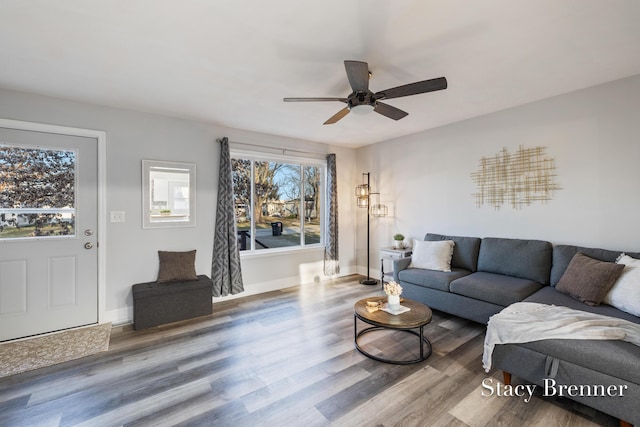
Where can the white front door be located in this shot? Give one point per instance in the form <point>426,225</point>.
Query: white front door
<point>48,232</point>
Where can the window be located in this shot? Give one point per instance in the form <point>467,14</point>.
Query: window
<point>168,194</point>
<point>37,192</point>
<point>278,202</point>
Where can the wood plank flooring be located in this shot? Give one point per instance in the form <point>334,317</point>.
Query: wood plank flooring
<point>285,358</point>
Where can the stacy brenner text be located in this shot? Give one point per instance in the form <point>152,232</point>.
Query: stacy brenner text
<point>551,388</point>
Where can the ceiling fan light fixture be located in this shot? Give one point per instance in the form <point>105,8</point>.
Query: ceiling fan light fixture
<point>361,109</point>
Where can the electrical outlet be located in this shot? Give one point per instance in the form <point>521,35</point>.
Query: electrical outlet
<point>117,216</point>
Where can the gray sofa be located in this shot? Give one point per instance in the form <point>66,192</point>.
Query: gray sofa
<point>491,273</point>
<point>486,276</point>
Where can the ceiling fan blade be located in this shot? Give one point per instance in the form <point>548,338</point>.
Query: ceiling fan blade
<point>313,99</point>
<point>337,116</point>
<point>358,75</point>
<point>430,85</point>
<point>389,111</point>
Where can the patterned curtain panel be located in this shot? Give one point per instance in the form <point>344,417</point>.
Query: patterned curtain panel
<point>225,266</point>
<point>331,264</point>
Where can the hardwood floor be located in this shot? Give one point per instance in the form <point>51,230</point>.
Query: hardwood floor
<point>285,358</point>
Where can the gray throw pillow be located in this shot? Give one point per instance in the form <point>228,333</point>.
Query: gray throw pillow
<point>177,266</point>
<point>588,279</point>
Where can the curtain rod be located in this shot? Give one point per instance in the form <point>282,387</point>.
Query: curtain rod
<point>283,150</point>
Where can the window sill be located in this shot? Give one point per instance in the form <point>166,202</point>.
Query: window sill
<point>280,252</point>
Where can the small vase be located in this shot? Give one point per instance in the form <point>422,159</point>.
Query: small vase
<point>393,301</point>
<point>399,244</point>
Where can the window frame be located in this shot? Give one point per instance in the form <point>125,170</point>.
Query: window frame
<point>260,156</point>
<point>148,167</point>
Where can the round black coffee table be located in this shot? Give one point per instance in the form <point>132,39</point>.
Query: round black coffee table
<point>412,321</point>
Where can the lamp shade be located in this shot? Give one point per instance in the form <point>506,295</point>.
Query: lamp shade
<point>362,191</point>
<point>379,210</point>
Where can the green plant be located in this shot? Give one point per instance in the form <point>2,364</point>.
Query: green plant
<point>398,236</point>
<point>165,211</point>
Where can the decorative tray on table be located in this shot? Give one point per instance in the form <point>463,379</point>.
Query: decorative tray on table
<point>382,305</point>
<point>394,310</point>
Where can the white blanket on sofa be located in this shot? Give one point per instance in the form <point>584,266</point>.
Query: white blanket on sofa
<point>528,321</point>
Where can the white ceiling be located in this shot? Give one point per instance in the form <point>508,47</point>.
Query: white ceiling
<point>232,62</point>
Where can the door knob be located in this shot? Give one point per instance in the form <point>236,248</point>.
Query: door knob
<point>88,245</point>
<point>88,232</point>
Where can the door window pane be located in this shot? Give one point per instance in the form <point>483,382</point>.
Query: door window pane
<point>37,192</point>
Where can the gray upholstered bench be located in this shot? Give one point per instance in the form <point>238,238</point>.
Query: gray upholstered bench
<point>158,303</point>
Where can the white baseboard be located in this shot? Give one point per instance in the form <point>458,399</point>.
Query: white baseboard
<point>373,273</point>
<point>274,285</point>
<point>124,315</point>
<point>260,288</point>
<point>119,316</point>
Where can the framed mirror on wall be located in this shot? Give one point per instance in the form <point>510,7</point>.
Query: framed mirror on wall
<point>168,194</point>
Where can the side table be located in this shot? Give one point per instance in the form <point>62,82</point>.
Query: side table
<point>391,253</point>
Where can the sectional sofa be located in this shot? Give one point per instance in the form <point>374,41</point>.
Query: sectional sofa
<point>486,275</point>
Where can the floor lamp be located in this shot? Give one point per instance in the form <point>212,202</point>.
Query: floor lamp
<point>365,195</point>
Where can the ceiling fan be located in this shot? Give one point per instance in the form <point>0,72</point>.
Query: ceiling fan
<point>363,99</point>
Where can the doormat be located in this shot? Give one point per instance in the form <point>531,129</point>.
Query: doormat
<point>38,352</point>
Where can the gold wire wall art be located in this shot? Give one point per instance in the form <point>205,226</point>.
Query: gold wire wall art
<point>518,179</point>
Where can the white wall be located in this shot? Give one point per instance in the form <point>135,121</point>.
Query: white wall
<point>133,136</point>
<point>424,179</point>
<point>593,135</point>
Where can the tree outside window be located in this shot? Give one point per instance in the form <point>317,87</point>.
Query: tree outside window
<point>37,192</point>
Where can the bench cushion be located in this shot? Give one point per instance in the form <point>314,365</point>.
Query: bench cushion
<point>176,266</point>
